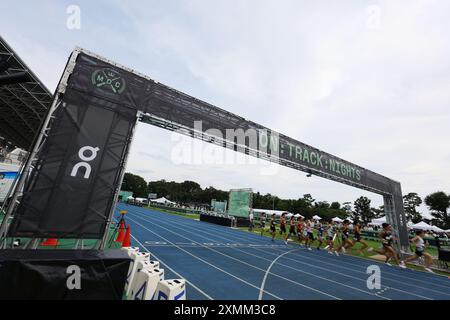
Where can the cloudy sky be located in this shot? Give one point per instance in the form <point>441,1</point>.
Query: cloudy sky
<point>368,81</point>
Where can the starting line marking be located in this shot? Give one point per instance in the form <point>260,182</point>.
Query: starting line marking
<point>213,244</point>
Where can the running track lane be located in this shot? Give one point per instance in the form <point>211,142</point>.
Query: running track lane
<point>223,263</point>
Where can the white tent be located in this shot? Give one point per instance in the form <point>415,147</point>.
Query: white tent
<point>437,229</point>
<point>130,197</point>
<point>270,212</point>
<point>378,222</point>
<point>298,215</point>
<point>141,200</point>
<point>162,201</point>
<point>422,226</point>
<point>337,219</point>
<point>316,217</point>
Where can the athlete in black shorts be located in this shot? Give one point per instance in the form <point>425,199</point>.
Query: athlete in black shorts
<point>273,224</point>
<point>319,228</point>
<point>345,232</point>
<point>357,237</point>
<point>291,229</point>
<point>262,222</point>
<point>420,251</point>
<point>283,223</point>
<point>386,245</point>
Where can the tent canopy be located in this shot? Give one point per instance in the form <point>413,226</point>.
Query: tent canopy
<point>337,219</point>
<point>378,222</point>
<point>162,200</point>
<point>316,217</point>
<point>425,226</point>
<point>270,212</point>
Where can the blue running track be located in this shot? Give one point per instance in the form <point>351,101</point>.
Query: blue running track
<point>223,263</point>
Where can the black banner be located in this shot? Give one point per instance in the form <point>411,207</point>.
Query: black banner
<point>70,193</point>
<point>63,274</point>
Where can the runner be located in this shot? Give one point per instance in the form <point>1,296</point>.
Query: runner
<point>308,233</point>
<point>386,245</point>
<point>319,228</point>
<point>420,251</point>
<point>273,225</point>
<point>345,240</point>
<point>283,226</point>
<point>331,232</point>
<point>262,222</point>
<point>300,229</point>
<point>291,228</point>
<point>357,238</point>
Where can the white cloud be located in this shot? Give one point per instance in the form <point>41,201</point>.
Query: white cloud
<point>319,72</point>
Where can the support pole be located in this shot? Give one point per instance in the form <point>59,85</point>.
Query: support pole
<point>104,240</point>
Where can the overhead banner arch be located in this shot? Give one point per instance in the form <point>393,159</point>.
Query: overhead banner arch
<point>96,107</point>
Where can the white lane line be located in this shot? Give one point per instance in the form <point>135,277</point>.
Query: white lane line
<point>250,237</point>
<point>243,262</point>
<point>204,261</point>
<point>335,265</point>
<point>338,263</point>
<point>358,260</point>
<point>261,290</point>
<point>176,273</point>
<point>287,266</point>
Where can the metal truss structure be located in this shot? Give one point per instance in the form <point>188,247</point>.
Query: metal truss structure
<point>24,105</point>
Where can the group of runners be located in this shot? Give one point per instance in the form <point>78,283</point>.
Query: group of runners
<point>309,230</point>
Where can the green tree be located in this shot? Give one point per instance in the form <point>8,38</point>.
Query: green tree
<point>347,208</point>
<point>438,203</point>
<point>335,205</point>
<point>378,212</point>
<point>136,184</point>
<point>410,203</point>
<point>362,210</point>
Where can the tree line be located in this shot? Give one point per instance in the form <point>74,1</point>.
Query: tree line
<point>191,193</point>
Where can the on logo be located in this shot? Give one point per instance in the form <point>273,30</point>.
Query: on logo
<point>85,159</point>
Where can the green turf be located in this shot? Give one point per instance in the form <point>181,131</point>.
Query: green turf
<point>193,216</point>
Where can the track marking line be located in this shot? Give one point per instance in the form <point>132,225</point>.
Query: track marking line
<point>334,265</point>
<point>384,276</point>
<point>242,262</point>
<point>173,271</point>
<point>251,237</point>
<point>290,267</point>
<point>204,261</point>
<point>261,290</point>
<point>392,274</point>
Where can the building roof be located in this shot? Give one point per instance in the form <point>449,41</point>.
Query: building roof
<point>22,105</point>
